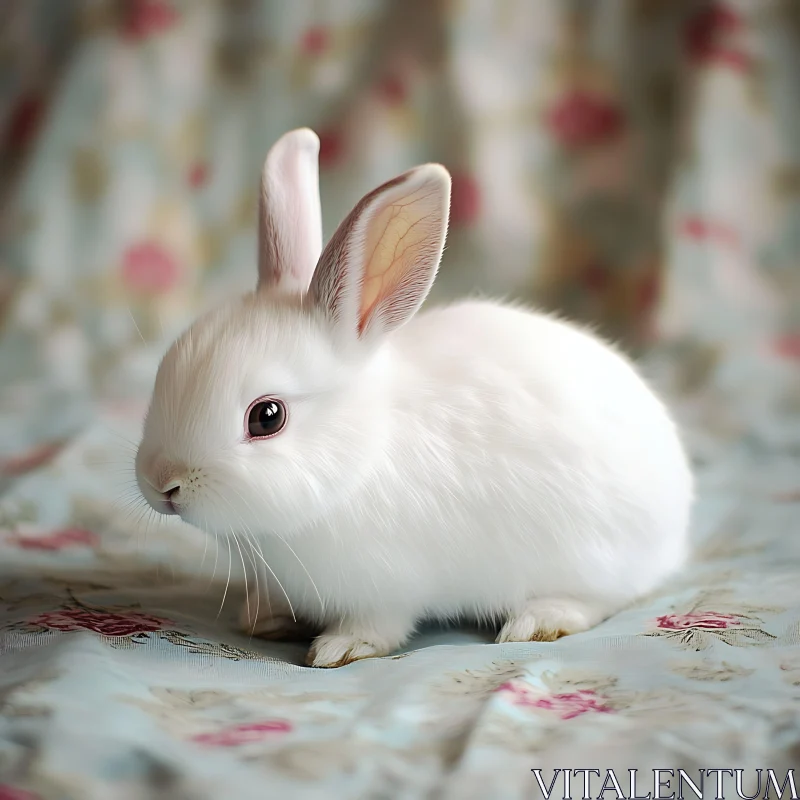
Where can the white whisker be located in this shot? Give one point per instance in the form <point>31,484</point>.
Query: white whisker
<point>261,556</point>
<point>205,549</point>
<point>256,570</point>
<point>227,582</point>
<point>303,566</point>
<point>216,558</point>
<point>292,551</point>
<point>244,569</point>
<point>135,325</point>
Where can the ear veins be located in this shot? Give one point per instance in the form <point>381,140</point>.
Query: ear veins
<point>380,281</point>
<point>328,283</point>
<point>380,262</point>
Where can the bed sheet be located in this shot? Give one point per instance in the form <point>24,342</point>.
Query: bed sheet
<point>122,674</point>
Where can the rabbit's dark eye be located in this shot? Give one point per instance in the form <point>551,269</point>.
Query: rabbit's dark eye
<point>265,418</point>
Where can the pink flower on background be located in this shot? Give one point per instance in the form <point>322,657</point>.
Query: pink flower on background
<point>107,623</point>
<point>567,705</point>
<point>315,40</point>
<point>788,346</point>
<point>734,59</point>
<point>26,462</point>
<point>244,733</point>
<point>647,293</point>
<point>572,704</point>
<point>705,35</point>
<point>392,89</point>
<point>596,278</point>
<point>144,18</point>
<point>23,122</point>
<point>149,267</point>
<point>705,619</point>
<point>331,148</point>
<point>465,199</point>
<point>580,119</point>
<point>198,175</point>
<point>12,793</point>
<point>700,229</point>
<point>58,540</point>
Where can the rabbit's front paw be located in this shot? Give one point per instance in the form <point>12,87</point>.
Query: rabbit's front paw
<point>338,649</point>
<point>351,640</point>
<point>548,619</point>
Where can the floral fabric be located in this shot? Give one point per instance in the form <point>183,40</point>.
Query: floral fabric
<point>635,164</point>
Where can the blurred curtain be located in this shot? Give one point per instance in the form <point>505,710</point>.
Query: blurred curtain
<point>631,163</point>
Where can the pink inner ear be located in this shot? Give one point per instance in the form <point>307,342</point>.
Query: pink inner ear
<point>379,265</point>
<point>399,245</point>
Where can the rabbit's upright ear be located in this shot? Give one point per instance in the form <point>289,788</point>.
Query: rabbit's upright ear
<point>379,266</point>
<point>290,218</point>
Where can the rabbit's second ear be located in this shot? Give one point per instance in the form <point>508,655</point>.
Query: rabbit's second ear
<point>290,218</point>
<point>380,264</point>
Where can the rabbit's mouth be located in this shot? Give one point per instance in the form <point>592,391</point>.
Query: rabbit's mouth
<point>162,502</point>
<point>166,491</point>
<point>169,507</point>
<point>170,496</point>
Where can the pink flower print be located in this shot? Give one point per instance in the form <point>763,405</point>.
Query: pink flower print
<point>465,199</point>
<point>700,230</point>
<point>39,456</point>
<point>24,121</point>
<point>146,18</point>
<point>572,704</point>
<point>12,793</point>
<point>705,619</point>
<point>705,35</point>
<point>150,268</point>
<point>567,705</point>
<point>596,278</point>
<point>647,292</point>
<point>331,148</point>
<point>244,733</point>
<point>315,40</point>
<point>392,89</point>
<point>580,119</point>
<point>734,59</point>
<point>58,540</point>
<point>788,346</point>
<point>198,175</point>
<point>107,623</point>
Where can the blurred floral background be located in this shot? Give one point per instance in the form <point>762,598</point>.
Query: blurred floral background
<point>634,164</point>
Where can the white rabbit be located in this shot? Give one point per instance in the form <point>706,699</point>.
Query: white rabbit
<point>475,461</point>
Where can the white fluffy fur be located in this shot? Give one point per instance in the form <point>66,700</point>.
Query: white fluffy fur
<point>479,461</point>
